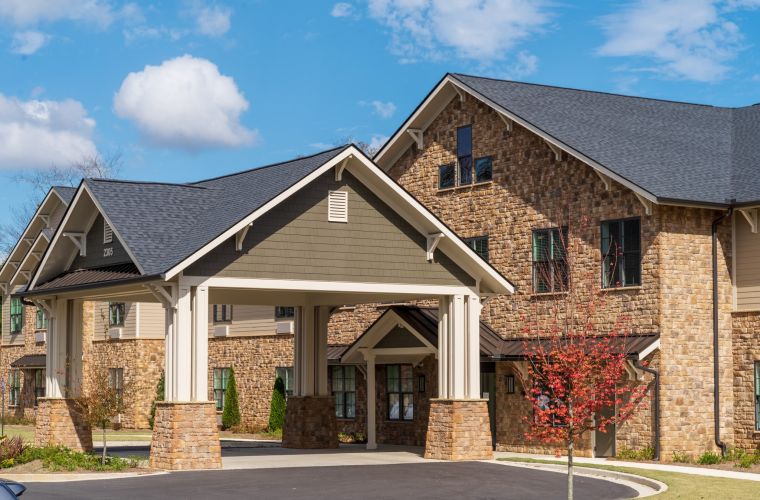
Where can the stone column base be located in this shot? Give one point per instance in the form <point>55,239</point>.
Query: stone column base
<point>60,422</point>
<point>185,436</point>
<point>458,430</point>
<point>310,423</point>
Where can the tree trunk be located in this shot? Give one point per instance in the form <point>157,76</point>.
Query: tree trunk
<point>103,459</point>
<point>570,470</point>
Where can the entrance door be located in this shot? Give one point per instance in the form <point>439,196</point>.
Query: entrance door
<point>604,442</point>
<point>488,391</point>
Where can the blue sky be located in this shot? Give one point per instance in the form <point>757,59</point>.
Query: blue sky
<point>192,89</point>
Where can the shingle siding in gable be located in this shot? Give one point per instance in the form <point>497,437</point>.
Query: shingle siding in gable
<point>295,241</point>
<point>98,253</point>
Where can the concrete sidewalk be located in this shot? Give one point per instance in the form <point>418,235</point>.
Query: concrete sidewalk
<point>697,471</point>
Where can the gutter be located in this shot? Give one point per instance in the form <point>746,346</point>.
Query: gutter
<point>656,374</point>
<point>716,351</point>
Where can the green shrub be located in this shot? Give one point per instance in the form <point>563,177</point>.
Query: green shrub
<point>646,453</point>
<point>709,458</point>
<point>231,412</point>
<point>59,458</point>
<point>748,461</point>
<point>277,407</point>
<point>680,457</point>
<point>160,395</point>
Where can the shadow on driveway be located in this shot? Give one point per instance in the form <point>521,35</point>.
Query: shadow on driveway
<point>470,480</point>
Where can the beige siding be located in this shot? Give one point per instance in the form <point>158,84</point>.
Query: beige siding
<point>152,321</point>
<point>101,329</point>
<point>247,321</point>
<point>747,278</point>
<point>296,241</point>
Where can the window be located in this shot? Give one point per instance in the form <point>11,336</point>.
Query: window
<point>344,391</point>
<point>400,391</point>
<point>446,176</point>
<point>17,315</point>
<point>483,169</point>
<point>544,402</point>
<point>116,312</point>
<point>464,154</point>
<point>284,312</point>
<point>421,383</point>
<point>222,313</point>
<point>14,388</point>
<point>757,395</point>
<point>550,272</point>
<point>107,233</point>
<point>38,376</point>
<point>621,251</point>
<point>479,244</point>
<point>41,322</point>
<point>286,374</point>
<point>221,376</point>
<point>116,381</point>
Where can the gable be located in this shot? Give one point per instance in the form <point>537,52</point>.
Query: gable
<point>295,240</point>
<point>399,337</point>
<point>100,254</point>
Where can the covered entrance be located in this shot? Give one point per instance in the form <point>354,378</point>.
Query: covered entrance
<point>315,233</point>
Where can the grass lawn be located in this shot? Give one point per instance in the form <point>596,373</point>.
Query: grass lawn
<point>679,485</point>
<point>27,434</point>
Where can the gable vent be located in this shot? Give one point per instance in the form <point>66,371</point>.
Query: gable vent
<point>107,233</point>
<point>337,206</point>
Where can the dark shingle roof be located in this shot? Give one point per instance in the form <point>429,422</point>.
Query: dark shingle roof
<point>675,151</point>
<point>65,192</point>
<point>162,224</point>
<point>29,361</point>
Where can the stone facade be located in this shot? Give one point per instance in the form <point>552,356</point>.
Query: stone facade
<point>746,353</point>
<point>185,437</point>
<point>310,423</point>
<point>458,430</point>
<point>60,422</point>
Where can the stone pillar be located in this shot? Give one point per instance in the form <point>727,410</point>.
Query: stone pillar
<point>185,436</point>
<point>60,422</point>
<point>310,420</point>
<point>459,424</point>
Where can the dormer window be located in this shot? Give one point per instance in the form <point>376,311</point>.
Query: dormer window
<point>107,233</point>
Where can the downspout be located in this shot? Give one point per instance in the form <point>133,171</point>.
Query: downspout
<point>656,408</point>
<point>716,351</point>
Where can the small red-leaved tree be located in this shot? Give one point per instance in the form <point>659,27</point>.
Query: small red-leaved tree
<point>576,353</point>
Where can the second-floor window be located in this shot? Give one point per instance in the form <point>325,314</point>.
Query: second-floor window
<point>116,312</point>
<point>284,312</point>
<point>17,315</point>
<point>464,154</point>
<point>550,272</point>
<point>41,322</point>
<point>479,244</point>
<point>222,313</point>
<point>621,253</point>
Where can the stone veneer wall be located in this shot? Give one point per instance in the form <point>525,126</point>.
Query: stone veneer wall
<point>310,423</point>
<point>185,437</point>
<point>637,432</point>
<point>746,352</point>
<point>458,430</point>
<point>60,422</point>
<point>254,360</point>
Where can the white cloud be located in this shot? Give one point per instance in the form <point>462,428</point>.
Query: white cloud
<point>382,109</point>
<point>40,134</point>
<point>481,30</point>
<point>185,103</point>
<point>213,21</point>
<point>321,145</point>
<point>377,141</point>
<point>342,9</point>
<point>688,39</point>
<point>30,12</point>
<point>525,64</point>
<point>28,42</point>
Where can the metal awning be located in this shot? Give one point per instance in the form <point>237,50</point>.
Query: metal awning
<point>634,345</point>
<point>29,361</point>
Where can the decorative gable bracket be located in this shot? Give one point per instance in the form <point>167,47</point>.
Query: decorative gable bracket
<point>556,150</point>
<point>507,122</point>
<point>432,244</point>
<point>165,294</point>
<point>4,288</point>
<point>634,373</point>
<point>45,220</point>
<point>605,180</point>
<point>340,167</point>
<point>416,134</point>
<point>47,306</point>
<point>647,203</point>
<point>240,237</point>
<point>751,215</point>
<point>80,241</point>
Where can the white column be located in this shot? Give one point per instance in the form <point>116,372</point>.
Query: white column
<point>170,390</point>
<point>183,345</point>
<point>443,347</point>
<point>200,344</point>
<point>472,359</point>
<point>74,349</point>
<point>55,363</point>
<point>371,404</point>
<point>458,346</point>
<point>321,321</point>
<point>304,352</point>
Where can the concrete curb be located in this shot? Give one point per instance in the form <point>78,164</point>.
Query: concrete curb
<point>645,486</point>
<point>69,477</point>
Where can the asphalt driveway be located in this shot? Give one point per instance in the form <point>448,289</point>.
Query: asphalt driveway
<point>465,480</point>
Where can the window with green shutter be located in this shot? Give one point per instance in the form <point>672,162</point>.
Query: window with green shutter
<point>14,388</point>
<point>116,313</point>
<point>17,315</point>
<point>549,256</point>
<point>221,376</point>
<point>41,321</point>
<point>621,253</point>
<point>479,244</point>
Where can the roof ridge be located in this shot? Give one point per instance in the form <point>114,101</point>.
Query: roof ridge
<point>601,92</point>
<point>232,174</point>
<point>156,183</point>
